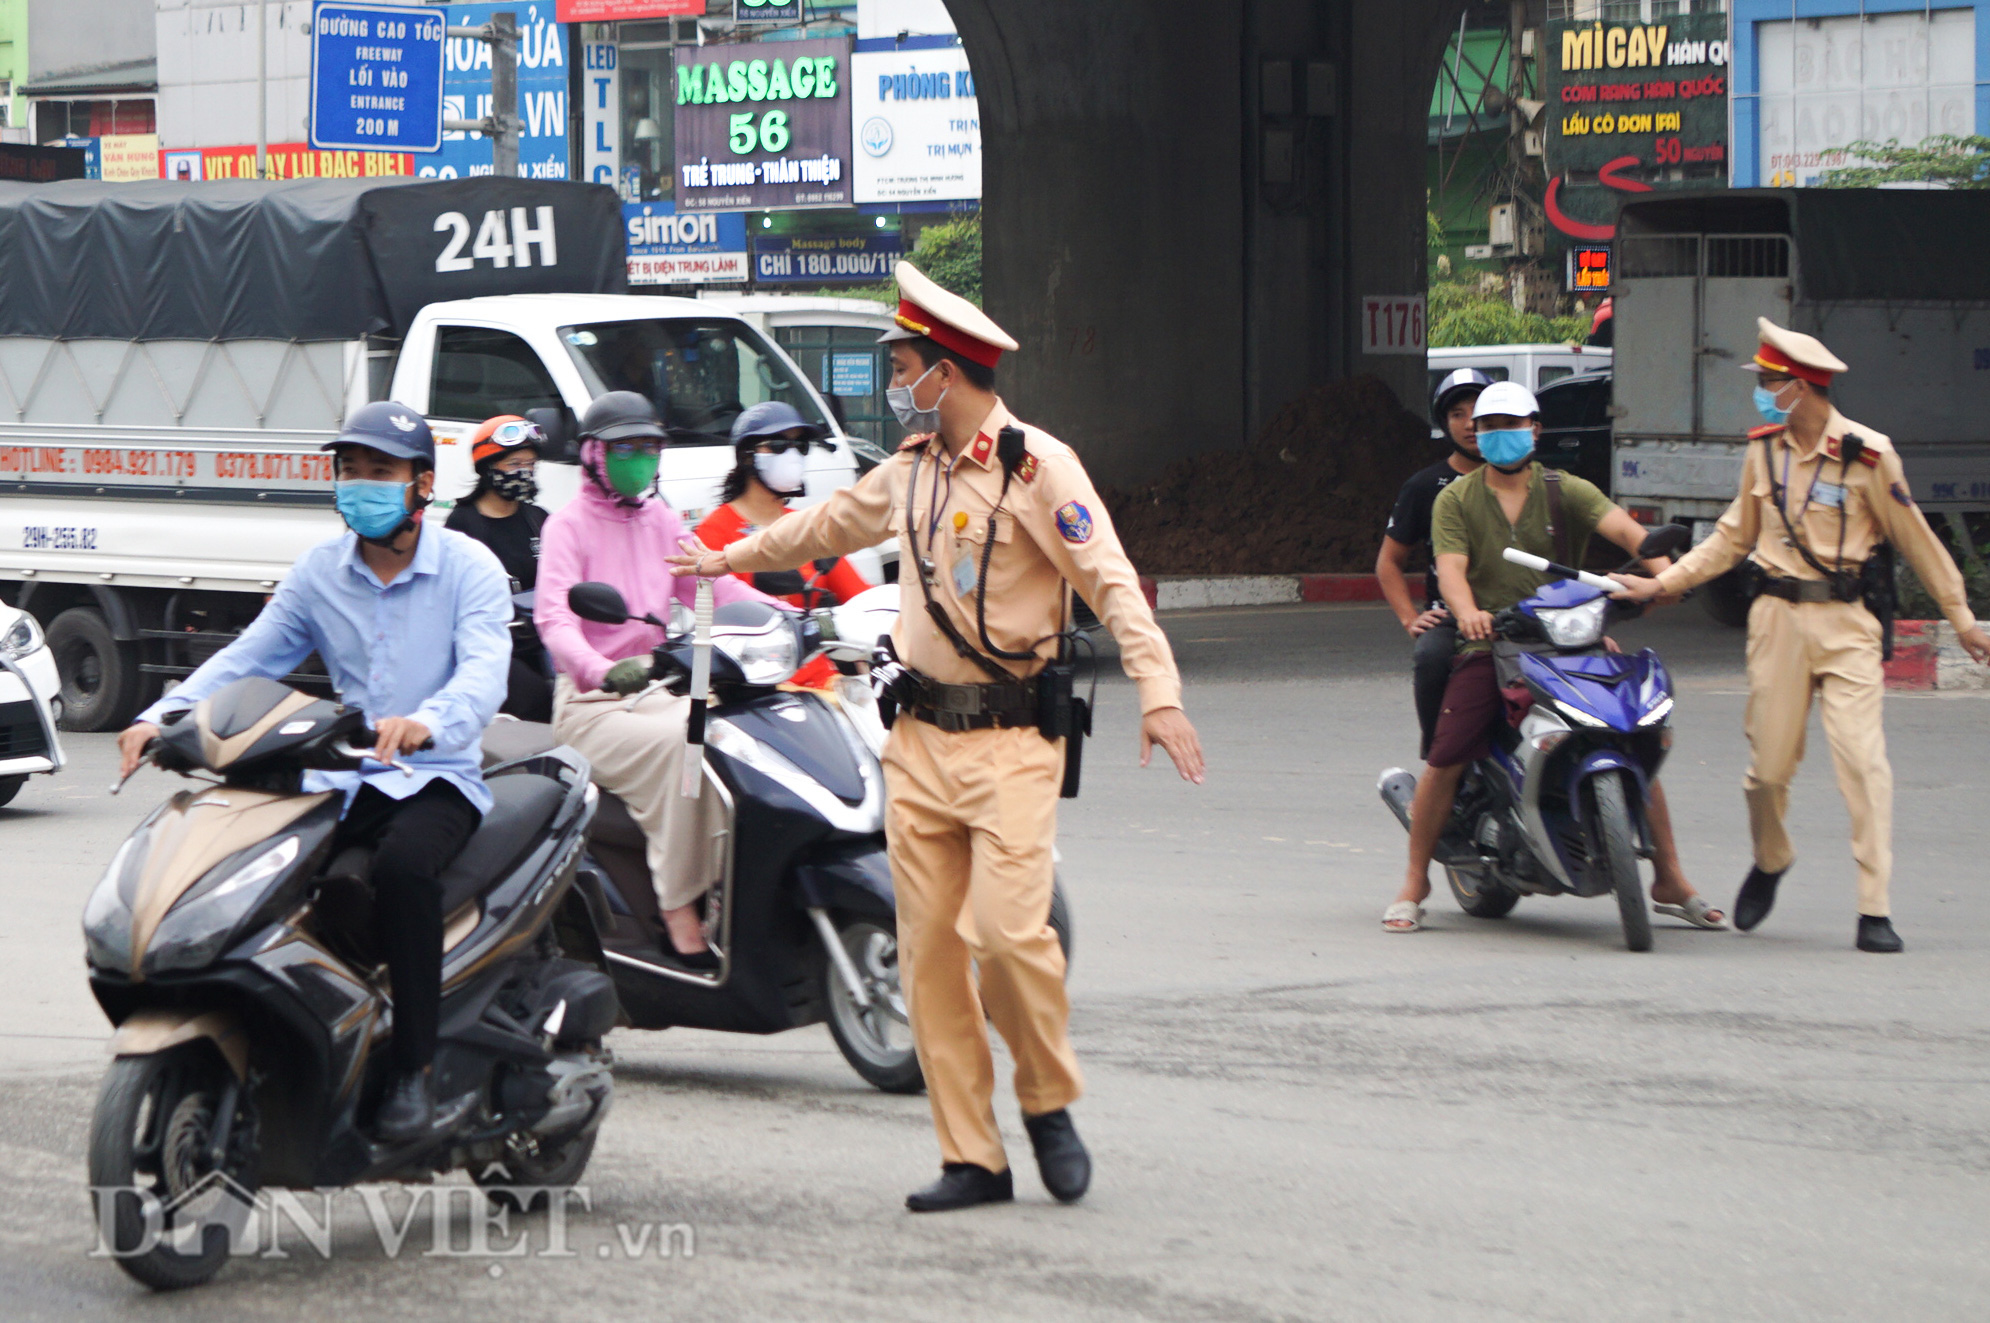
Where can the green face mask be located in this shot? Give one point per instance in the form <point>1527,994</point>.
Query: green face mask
<point>631,475</point>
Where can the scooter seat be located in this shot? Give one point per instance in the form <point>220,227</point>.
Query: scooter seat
<point>507,741</point>
<point>524,805</point>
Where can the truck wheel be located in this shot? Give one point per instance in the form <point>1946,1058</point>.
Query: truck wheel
<point>100,676</point>
<point>1724,600</point>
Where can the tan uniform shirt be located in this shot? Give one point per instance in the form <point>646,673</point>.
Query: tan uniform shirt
<point>1877,508</point>
<point>1051,529</point>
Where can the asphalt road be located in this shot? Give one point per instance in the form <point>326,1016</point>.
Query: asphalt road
<point>1294,1115</point>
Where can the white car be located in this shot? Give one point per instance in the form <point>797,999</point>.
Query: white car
<point>29,703</point>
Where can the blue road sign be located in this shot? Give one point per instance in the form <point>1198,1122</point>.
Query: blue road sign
<point>376,78</point>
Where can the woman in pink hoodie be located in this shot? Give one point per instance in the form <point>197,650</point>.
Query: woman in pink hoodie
<point>618,531</point>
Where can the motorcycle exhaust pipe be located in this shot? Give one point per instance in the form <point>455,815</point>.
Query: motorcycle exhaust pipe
<point>1398,790</point>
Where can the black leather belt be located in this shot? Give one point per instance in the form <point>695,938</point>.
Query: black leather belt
<point>1811,590</point>
<point>961,707</point>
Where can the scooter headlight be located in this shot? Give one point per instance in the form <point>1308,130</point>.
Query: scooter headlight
<point>1575,626</point>
<point>20,638</point>
<point>765,658</point>
<point>107,915</point>
<point>202,922</point>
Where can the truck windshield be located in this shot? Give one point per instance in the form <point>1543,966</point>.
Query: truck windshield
<point>700,374</point>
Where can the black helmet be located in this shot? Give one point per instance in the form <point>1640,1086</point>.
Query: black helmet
<point>621,415</point>
<point>390,428</point>
<point>1463,381</point>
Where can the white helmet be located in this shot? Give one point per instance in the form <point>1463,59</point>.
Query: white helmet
<point>1508,398</point>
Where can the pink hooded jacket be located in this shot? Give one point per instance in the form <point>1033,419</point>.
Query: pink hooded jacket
<point>595,539</point>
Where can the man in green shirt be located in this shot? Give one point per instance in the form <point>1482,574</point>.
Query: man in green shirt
<point>1507,503</point>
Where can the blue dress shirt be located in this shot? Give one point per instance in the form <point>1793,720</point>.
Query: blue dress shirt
<point>434,645</point>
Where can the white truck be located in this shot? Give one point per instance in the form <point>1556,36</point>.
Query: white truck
<point>1890,279</point>
<point>173,356</point>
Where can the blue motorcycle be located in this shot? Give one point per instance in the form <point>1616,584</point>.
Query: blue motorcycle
<point>1558,808</point>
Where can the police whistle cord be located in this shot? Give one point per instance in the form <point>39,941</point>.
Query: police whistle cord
<point>701,688</point>
<point>1542,565</point>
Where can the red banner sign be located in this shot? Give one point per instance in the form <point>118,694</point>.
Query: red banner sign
<point>614,11</point>
<point>287,160</point>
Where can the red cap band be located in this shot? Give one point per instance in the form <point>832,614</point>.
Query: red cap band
<point>917,320</point>
<point>1776,360</point>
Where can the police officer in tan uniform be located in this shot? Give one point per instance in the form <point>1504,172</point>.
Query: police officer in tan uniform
<point>1819,495</point>
<point>994,519</point>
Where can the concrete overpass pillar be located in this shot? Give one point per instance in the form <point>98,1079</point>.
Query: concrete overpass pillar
<point>1169,298</point>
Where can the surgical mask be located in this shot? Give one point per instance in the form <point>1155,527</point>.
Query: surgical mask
<point>1506,447</point>
<point>371,509</point>
<point>785,474</point>
<point>1765,404</point>
<point>910,416</point>
<point>631,475</point>
<point>520,485</point>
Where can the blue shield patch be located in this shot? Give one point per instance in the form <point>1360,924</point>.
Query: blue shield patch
<point>1074,522</point>
<point>1900,495</point>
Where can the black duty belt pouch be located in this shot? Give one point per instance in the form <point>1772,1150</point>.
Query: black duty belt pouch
<point>1878,588</point>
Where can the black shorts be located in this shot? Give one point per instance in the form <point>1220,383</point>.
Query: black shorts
<point>1472,702</point>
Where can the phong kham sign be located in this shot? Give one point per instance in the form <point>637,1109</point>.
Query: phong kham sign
<point>763,125</point>
<point>1631,108</point>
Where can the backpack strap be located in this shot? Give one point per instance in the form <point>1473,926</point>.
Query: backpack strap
<point>1558,524</point>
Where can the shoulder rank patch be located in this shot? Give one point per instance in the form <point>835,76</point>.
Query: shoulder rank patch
<point>1834,449</point>
<point>1900,495</point>
<point>1027,469</point>
<point>1074,523</point>
<point>1769,429</point>
<point>982,448</point>
<point>914,442</point>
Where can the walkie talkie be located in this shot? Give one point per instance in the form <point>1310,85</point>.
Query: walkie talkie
<point>1010,448</point>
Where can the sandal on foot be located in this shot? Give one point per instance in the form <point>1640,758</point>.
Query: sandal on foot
<point>1405,916</point>
<point>1694,910</point>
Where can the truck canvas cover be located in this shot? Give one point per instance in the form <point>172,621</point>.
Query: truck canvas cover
<point>304,260</point>
<point>1853,245</point>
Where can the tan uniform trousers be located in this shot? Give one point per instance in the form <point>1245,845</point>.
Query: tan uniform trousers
<point>1832,649</point>
<point>971,820</point>
<point>639,757</point>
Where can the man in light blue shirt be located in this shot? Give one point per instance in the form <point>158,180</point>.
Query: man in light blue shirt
<point>413,624</point>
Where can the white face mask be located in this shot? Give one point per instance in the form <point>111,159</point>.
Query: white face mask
<point>910,416</point>
<point>785,474</point>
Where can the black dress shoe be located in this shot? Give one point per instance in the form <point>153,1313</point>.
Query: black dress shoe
<point>1876,934</point>
<point>1061,1158</point>
<point>963,1185</point>
<point>408,1110</point>
<point>1757,898</point>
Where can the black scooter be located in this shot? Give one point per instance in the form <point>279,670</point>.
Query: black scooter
<point>801,911</point>
<point>232,948</point>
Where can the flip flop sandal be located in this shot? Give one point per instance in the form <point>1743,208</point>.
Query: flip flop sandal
<point>1405,916</point>
<point>1695,911</point>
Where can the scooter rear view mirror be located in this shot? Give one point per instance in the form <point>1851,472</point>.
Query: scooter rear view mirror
<point>1665,540</point>
<point>599,602</point>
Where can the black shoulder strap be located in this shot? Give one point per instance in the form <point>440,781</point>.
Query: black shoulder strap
<point>1779,496</point>
<point>1558,524</point>
<point>535,518</point>
<point>941,620</point>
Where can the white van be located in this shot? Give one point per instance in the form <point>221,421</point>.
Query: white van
<point>1533,366</point>
<point>834,341</point>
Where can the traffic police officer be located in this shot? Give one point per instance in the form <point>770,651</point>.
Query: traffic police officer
<point>1819,495</point>
<point>971,776</point>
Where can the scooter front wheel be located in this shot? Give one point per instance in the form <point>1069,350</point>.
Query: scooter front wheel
<point>876,1039</point>
<point>1611,847</point>
<point>165,1211</point>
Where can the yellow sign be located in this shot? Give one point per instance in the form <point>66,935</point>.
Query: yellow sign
<point>129,156</point>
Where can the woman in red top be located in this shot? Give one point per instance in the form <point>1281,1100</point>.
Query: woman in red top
<point>772,441</point>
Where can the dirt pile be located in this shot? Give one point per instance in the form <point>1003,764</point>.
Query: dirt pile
<point>1309,496</point>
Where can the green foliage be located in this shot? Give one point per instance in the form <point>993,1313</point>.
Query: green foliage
<point>950,253</point>
<point>1917,603</point>
<point>1465,314</point>
<point>1945,158</point>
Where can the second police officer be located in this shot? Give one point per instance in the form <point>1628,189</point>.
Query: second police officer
<point>995,520</point>
<point>1820,496</point>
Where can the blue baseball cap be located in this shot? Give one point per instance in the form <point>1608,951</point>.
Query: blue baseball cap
<point>771,418</point>
<point>390,428</point>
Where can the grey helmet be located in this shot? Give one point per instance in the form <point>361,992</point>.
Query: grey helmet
<point>1448,390</point>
